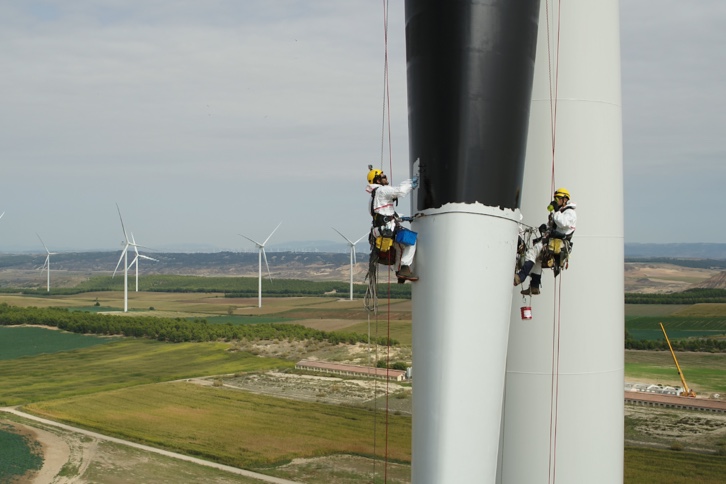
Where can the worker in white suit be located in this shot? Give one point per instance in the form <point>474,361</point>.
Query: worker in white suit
<point>561,224</point>
<point>386,221</point>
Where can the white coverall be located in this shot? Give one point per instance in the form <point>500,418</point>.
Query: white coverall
<point>383,204</point>
<point>562,223</point>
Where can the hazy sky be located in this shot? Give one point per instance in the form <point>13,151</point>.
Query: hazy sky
<point>205,120</point>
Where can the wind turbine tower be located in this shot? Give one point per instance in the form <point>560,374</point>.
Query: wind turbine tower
<point>124,256</point>
<point>135,262</point>
<point>260,255</point>
<point>352,256</point>
<point>46,265</point>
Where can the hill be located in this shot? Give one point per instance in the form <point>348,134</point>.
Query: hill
<point>695,251</point>
<point>718,281</point>
<point>68,269</point>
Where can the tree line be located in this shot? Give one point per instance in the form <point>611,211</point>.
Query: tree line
<point>229,286</point>
<point>689,296</point>
<point>708,345</point>
<point>175,330</point>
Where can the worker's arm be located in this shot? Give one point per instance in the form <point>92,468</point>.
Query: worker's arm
<point>566,221</point>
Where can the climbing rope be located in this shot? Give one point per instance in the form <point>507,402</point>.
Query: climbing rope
<point>557,294</point>
<point>370,300</point>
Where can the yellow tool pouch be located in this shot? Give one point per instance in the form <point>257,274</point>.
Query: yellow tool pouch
<point>383,244</point>
<point>555,246</point>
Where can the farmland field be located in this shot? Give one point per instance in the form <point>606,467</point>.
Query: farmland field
<point>119,364</point>
<point>133,375</point>
<point>647,327</point>
<point>19,341</point>
<point>19,455</point>
<point>237,428</point>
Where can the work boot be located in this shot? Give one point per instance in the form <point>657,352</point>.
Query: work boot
<point>530,291</point>
<point>517,280</point>
<point>405,274</point>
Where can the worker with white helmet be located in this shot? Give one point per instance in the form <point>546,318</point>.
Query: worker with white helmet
<point>386,221</point>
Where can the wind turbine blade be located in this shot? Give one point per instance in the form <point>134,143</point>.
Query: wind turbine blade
<point>364,236</point>
<point>339,233</point>
<point>268,237</point>
<point>133,244</point>
<point>119,260</point>
<point>148,258</point>
<point>126,237</point>
<point>266,264</point>
<point>352,248</point>
<point>1,214</point>
<point>253,241</point>
<point>44,246</point>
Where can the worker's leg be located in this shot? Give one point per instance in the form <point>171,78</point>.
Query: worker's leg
<point>535,280</point>
<point>407,254</point>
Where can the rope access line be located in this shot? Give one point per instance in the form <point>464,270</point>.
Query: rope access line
<point>556,326</point>
<point>371,296</point>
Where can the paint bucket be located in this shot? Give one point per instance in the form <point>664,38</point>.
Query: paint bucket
<point>526,312</point>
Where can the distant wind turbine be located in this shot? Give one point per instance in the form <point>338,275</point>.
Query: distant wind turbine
<point>46,265</point>
<point>260,255</point>
<point>124,256</point>
<point>135,262</point>
<point>352,256</point>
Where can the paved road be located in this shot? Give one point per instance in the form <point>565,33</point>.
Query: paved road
<point>233,470</point>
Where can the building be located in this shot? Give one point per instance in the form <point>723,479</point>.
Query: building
<point>351,370</point>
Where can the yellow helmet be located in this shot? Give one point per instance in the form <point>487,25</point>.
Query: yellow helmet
<point>373,174</point>
<point>562,192</point>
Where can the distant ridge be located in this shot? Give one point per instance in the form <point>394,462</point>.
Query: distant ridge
<point>716,282</point>
<point>694,251</point>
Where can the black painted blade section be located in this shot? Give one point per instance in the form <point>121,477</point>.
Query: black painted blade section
<point>470,68</point>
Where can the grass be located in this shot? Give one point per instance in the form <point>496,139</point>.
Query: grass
<point>704,372</point>
<point>233,427</point>
<point>19,455</point>
<point>647,327</point>
<point>120,364</point>
<point>646,466</point>
<point>17,342</point>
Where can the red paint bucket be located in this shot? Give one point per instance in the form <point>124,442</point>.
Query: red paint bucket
<point>526,312</point>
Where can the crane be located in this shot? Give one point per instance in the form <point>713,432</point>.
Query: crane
<point>686,391</point>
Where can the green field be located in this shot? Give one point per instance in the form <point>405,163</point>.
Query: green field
<point>677,327</point>
<point>234,427</point>
<point>119,364</point>
<point>704,372</point>
<point>654,466</point>
<point>18,454</point>
<point>126,387</point>
<point>16,342</point>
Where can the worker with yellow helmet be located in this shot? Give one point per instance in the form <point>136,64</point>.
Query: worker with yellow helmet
<point>563,218</point>
<point>560,225</point>
<point>386,220</point>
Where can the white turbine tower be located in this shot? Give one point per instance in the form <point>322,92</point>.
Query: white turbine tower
<point>46,265</point>
<point>260,255</point>
<point>135,262</point>
<point>352,256</point>
<point>124,256</point>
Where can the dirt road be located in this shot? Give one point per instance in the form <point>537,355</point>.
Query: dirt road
<point>54,460</point>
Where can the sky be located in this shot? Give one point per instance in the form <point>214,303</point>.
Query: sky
<point>205,120</point>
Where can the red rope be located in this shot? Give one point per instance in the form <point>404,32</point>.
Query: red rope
<point>386,123</point>
<point>555,381</point>
<point>553,94</point>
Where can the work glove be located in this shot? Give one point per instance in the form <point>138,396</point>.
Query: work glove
<point>414,182</point>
